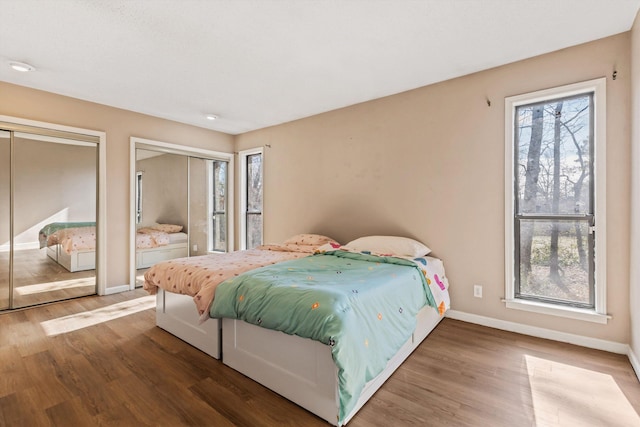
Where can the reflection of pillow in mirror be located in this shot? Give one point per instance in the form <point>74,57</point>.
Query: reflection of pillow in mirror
<point>308,239</point>
<point>389,245</point>
<point>168,228</point>
<point>147,230</point>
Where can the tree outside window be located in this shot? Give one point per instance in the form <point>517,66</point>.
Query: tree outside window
<point>554,209</point>
<point>254,200</point>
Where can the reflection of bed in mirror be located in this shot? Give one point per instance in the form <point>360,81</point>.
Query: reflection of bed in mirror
<point>73,245</point>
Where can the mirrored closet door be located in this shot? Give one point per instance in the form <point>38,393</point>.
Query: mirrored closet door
<point>184,195</point>
<point>5,231</point>
<point>48,226</point>
<point>207,206</point>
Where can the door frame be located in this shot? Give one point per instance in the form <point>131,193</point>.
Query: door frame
<point>101,211</point>
<point>184,150</point>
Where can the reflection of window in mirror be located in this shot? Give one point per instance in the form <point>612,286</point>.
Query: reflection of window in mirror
<point>217,172</point>
<point>250,218</point>
<point>138,197</point>
<point>254,200</point>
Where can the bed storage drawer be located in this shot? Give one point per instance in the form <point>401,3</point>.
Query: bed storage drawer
<point>297,368</point>
<point>176,314</point>
<point>148,257</point>
<point>86,261</point>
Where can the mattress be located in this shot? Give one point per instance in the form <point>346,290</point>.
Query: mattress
<point>178,238</point>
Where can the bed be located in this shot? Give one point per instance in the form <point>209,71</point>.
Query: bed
<point>72,244</point>
<point>179,283</point>
<point>311,362</point>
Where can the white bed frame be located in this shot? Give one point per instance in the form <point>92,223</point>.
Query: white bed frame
<point>302,370</point>
<point>177,314</point>
<point>86,259</point>
<point>145,258</point>
<point>75,261</point>
<point>299,369</point>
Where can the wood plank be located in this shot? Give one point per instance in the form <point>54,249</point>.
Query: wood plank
<point>126,371</point>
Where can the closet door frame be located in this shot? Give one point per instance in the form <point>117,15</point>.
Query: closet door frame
<point>17,124</point>
<point>184,150</point>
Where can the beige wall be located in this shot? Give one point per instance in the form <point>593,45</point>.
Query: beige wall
<point>634,281</point>
<point>53,182</point>
<point>119,126</point>
<point>164,190</point>
<point>429,164</point>
<point>174,191</point>
<point>198,206</point>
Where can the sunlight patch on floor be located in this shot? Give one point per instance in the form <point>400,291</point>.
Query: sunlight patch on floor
<point>55,286</point>
<point>89,318</point>
<point>565,395</point>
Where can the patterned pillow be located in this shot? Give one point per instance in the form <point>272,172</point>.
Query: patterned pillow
<point>168,228</point>
<point>308,239</point>
<point>147,230</point>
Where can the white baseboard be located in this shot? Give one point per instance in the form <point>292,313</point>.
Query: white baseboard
<point>598,344</point>
<point>20,246</point>
<point>635,363</point>
<point>116,289</point>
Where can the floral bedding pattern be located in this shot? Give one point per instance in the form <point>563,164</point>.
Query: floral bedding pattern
<point>151,239</point>
<point>73,239</point>
<point>46,232</point>
<point>199,276</point>
<point>84,238</point>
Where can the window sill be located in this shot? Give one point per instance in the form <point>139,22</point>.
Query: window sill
<point>554,310</point>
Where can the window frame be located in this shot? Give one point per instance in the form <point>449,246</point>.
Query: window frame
<point>598,313</point>
<point>211,208</point>
<point>242,212</point>
<point>139,197</point>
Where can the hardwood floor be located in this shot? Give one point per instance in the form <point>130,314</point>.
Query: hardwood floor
<point>105,362</point>
<point>39,279</point>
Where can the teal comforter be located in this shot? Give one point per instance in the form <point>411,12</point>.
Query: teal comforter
<point>51,228</point>
<point>363,306</point>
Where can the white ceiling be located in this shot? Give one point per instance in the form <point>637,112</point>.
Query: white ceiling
<point>257,63</point>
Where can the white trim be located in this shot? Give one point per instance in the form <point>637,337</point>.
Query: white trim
<point>557,310</point>
<point>185,150</point>
<point>242,189</point>
<point>598,87</point>
<point>166,147</point>
<point>211,208</point>
<point>117,289</point>
<point>210,205</point>
<point>509,188</point>
<point>138,196</point>
<point>101,256</point>
<point>534,331</point>
<point>635,363</point>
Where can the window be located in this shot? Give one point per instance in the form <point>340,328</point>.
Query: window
<point>138,197</point>
<point>251,163</point>
<point>217,206</point>
<point>555,149</point>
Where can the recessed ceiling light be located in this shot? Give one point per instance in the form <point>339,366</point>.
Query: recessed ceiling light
<point>211,117</point>
<point>21,66</point>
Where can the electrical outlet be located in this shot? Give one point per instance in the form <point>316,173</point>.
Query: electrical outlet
<point>195,248</point>
<point>477,291</point>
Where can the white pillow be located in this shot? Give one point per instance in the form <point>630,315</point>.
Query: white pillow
<point>403,246</point>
